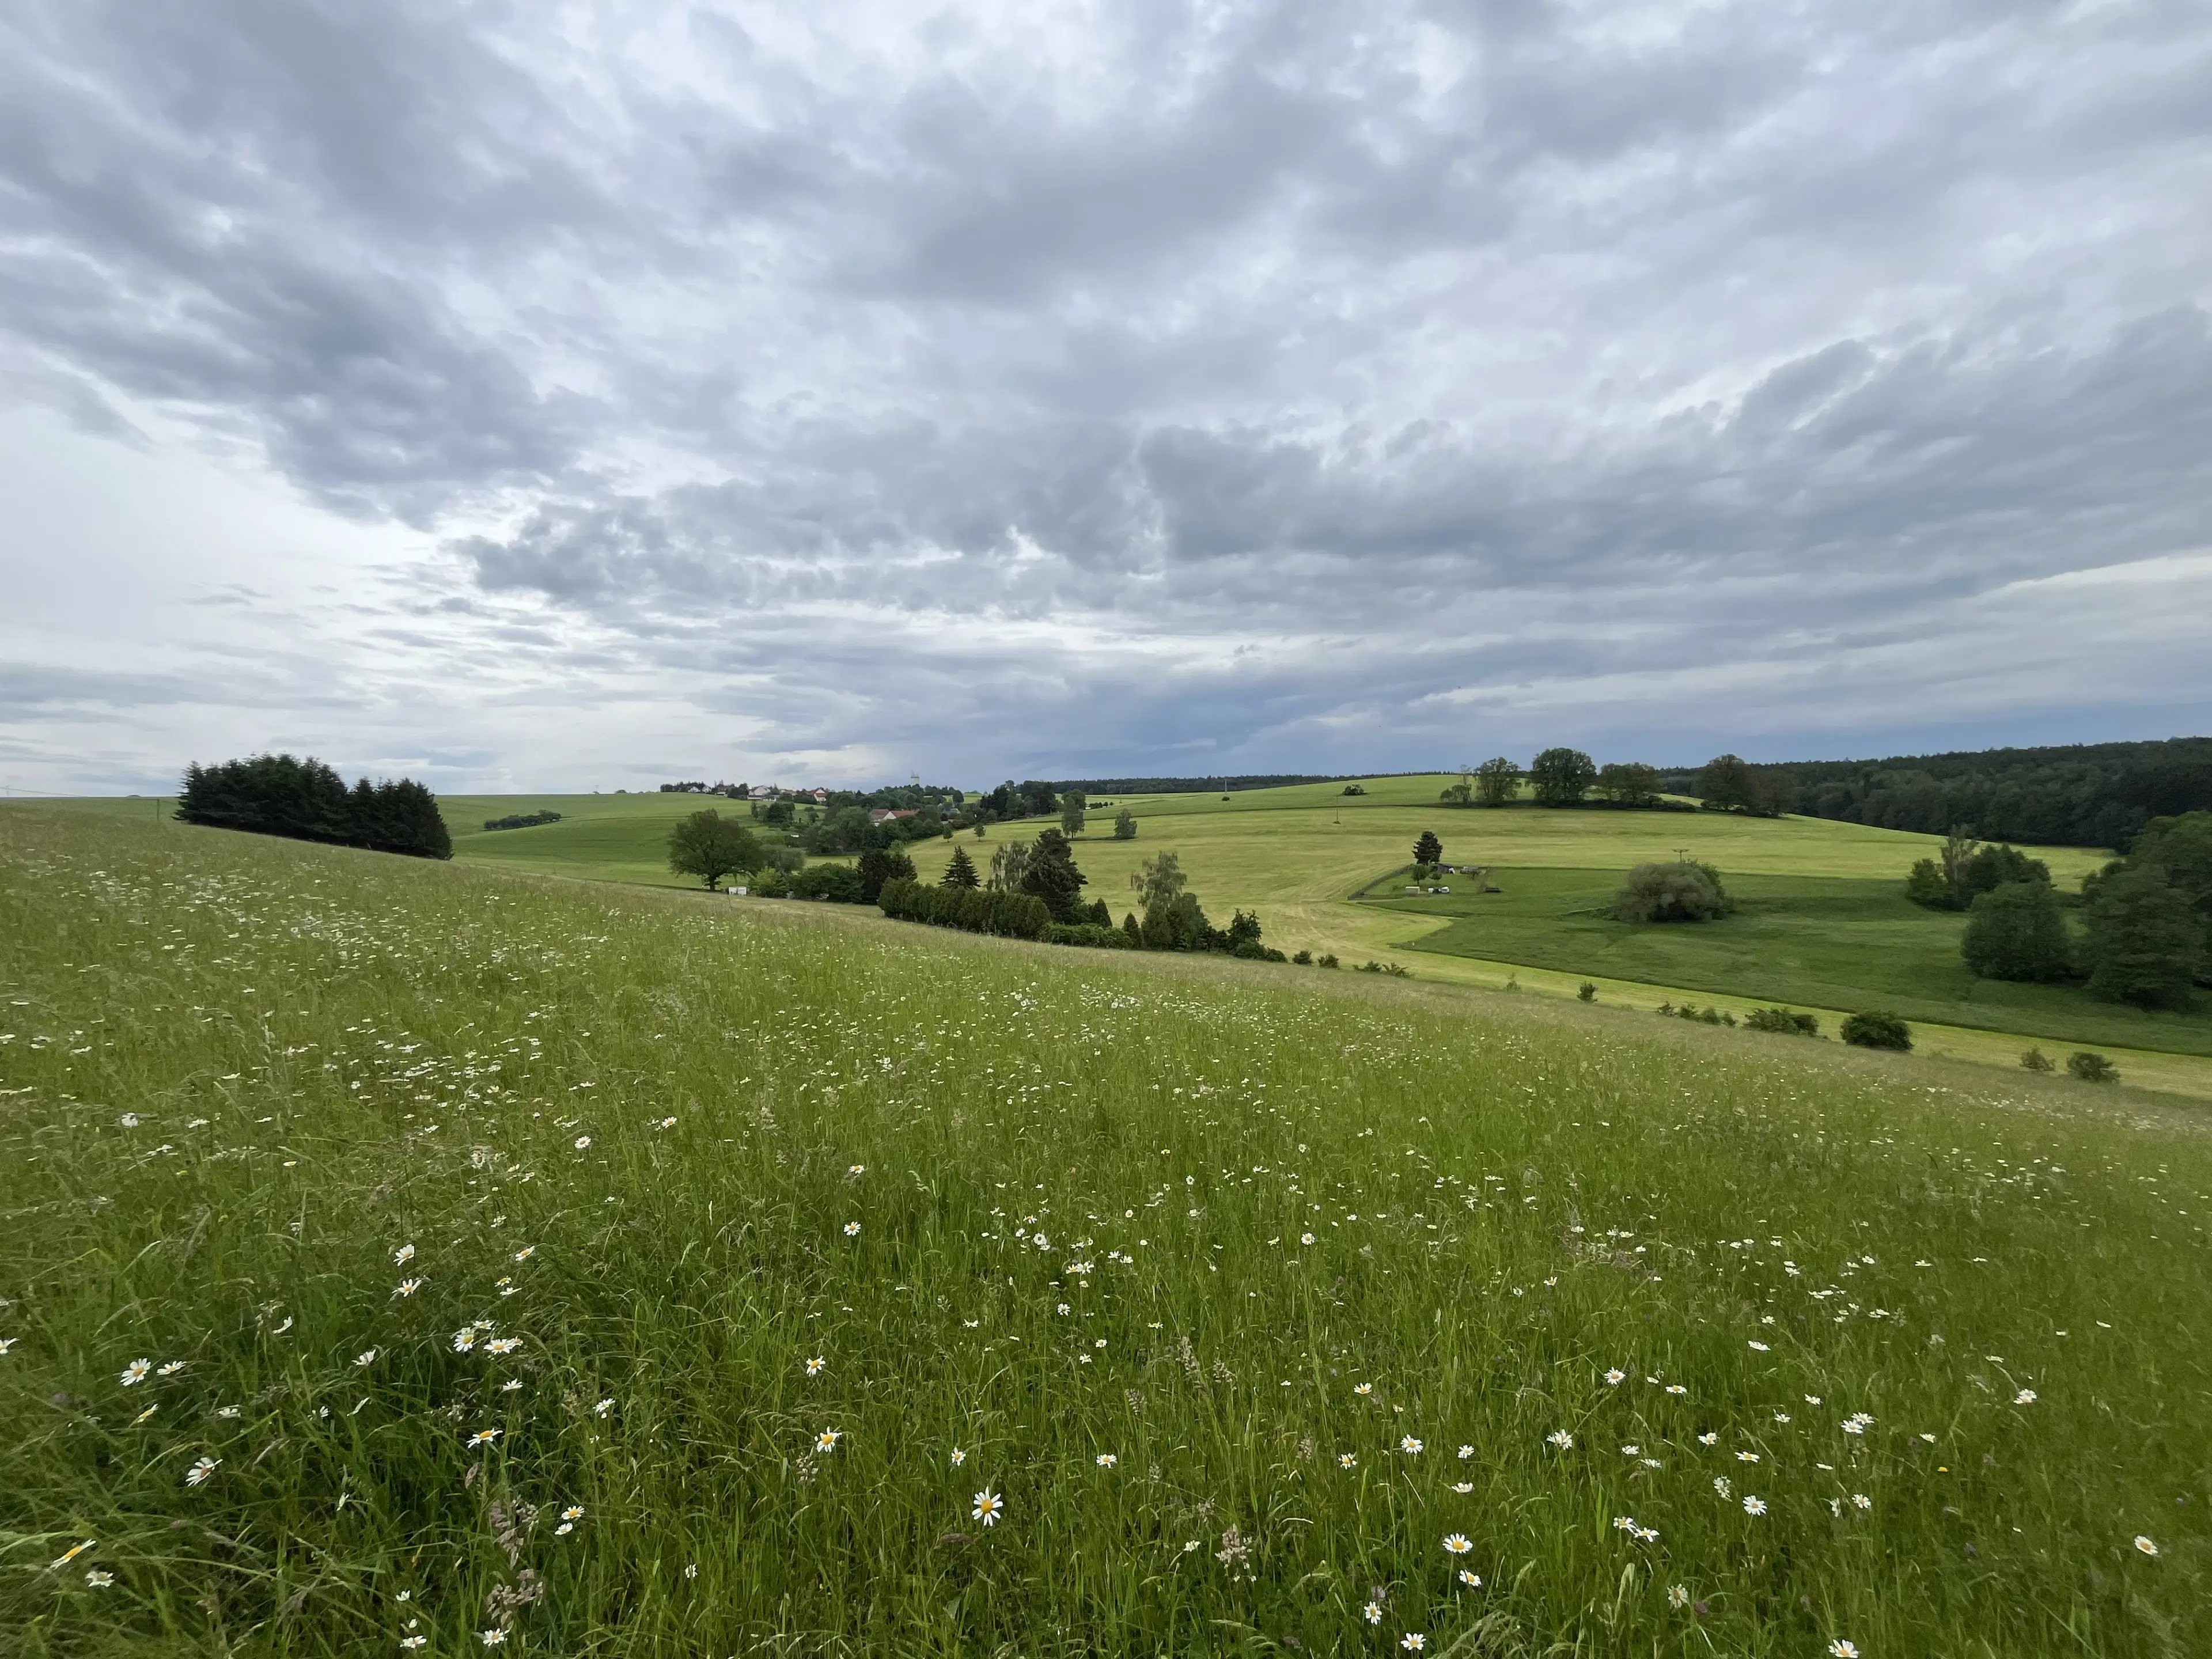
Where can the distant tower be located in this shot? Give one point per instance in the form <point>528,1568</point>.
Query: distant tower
<point>915,778</point>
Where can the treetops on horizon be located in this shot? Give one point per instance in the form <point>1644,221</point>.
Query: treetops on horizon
<point>1565,777</point>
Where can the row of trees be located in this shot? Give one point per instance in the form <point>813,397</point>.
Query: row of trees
<point>1568,777</point>
<point>2147,919</point>
<point>307,800</point>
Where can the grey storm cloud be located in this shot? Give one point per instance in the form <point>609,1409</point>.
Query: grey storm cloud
<point>1264,380</point>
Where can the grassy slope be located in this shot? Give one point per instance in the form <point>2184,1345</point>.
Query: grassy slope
<point>1506,1198</point>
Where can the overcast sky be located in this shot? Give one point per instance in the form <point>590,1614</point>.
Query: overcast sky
<point>541,395</point>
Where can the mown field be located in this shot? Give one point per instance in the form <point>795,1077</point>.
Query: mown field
<point>411,1258</point>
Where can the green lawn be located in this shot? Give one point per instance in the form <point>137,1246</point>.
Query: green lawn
<point>400,1250</point>
<point>1820,942</point>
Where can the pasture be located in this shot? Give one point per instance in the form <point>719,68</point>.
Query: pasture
<point>416,1258</point>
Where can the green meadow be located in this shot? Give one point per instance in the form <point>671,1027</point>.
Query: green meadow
<point>408,1258</point>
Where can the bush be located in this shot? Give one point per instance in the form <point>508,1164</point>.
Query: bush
<point>975,910</point>
<point>839,884</point>
<point>1305,958</point>
<point>1877,1029</point>
<point>770,883</point>
<point>522,820</point>
<point>1928,887</point>
<point>2015,933</point>
<point>876,867</point>
<point>1787,1021</point>
<point>2036,1060</point>
<point>1108,937</point>
<point>1326,960</point>
<point>1684,892</point>
<point>1588,993</point>
<point>2092,1067</point>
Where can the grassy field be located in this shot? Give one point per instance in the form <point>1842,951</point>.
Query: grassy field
<point>1294,856</point>
<point>416,1258</point>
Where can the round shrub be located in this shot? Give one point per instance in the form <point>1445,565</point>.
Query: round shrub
<point>1877,1029</point>
<point>2092,1067</point>
<point>1684,892</point>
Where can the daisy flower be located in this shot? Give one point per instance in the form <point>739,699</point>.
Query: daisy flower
<point>464,1339</point>
<point>958,1457</point>
<point>1754,1506</point>
<point>858,1169</point>
<point>1616,1377</point>
<point>574,1512</point>
<point>135,1372</point>
<point>403,1255</point>
<point>1456,1544</point>
<point>2025,1397</point>
<point>409,1644</point>
<point>1757,1347</point>
<point>1462,1486</point>
<point>1359,1388</point>
<point>1347,1460</point>
<point>526,1253</point>
<point>483,1436</point>
<point>1839,1649</point>
<point>75,1550</point>
<point>582,1141</point>
<point>492,1638</point>
<point>407,1287</point>
<point>1472,1580</point>
<point>1746,1457</point>
<point>852,1230</point>
<point>1678,1597</point>
<point>1305,1238</point>
<point>1412,1641</point>
<point>603,1408</point>
<point>504,1344</point>
<point>96,1579</point>
<point>1676,1388</point>
<point>199,1471</point>
<point>2145,1545</point>
<point>814,1366</point>
<point>1861,1501</point>
<point>171,1369</point>
<point>827,1440</point>
<point>1409,1445</point>
<point>1560,1438</point>
<point>1107,1460</point>
<point>1709,1439</point>
<point>989,1506</point>
<point>365,1357</point>
<point>1466,1452</point>
<point>1372,1612</point>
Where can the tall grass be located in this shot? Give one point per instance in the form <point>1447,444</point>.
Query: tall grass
<point>1177,1262</point>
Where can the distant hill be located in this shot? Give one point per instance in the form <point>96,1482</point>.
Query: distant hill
<point>2095,794</point>
<point>1192,785</point>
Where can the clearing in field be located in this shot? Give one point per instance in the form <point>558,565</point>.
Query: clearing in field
<point>414,1258</point>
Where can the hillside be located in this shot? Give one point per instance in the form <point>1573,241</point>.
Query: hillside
<point>398,1250</point>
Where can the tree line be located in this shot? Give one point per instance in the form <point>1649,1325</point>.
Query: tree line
<point>307,800</point>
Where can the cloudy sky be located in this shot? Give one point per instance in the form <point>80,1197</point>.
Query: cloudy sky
<point>537,395</point>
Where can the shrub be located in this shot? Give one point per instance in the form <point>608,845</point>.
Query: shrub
<point>1877,1029</point>
<point>2092,1067</point>
<point>975,910</point>
<point>522,820</point>
<point>1326,960</point>
<point>1303,958</point>
<point>1108,937</point>
<point>876,867</point>
<point>2036,1060</point>
<point>770,883</point>
<point>1125,825</point>
<point>1684,891</point>
<point>1787,1021</point>
<point>1928,885</point>
<point>1588,993</point>
<point>839,884</point>
<point>2015,933</point>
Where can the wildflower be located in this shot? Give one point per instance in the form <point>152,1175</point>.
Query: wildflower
<point>1107,1460</point>
<point>858,1169</point>
<point>1760,1348</point>
<point>1624,1524</point>
<point>2144,1545</point>
<point>1857,1423</point>
<point>1746,1457</point>
<point>171,1369</point>
<point>564,1528</point>
<point>135,1372</point>
<point>1472,1580</point>
<point>504,1344</point>
<point>1463,1486</point>
<point>1839,1649</point>
<point>1409,1446</point>
<point>1708,1439</point>
<point>199,1471</point>
<point>75,1550</point>
<point>1811,1399</point>
<point>1305,1238</point>
<point>526,1253</point>
<point>852,1230</point>
<point>1372,1612</point>
<point>603,1408</point>
<point>827,1440</point>
<point>1412,1641</point>
<point>1560,1438</point>
<point>225,1411</point>
<point>6,1343</point>
<point>1647,1535</point>
<point>1630,1451</point>
<point>582,1141</point>
<point>1362,1388</point>
<point>1616,1377</point>
<point>1063,1309</point>
<point>1347,1460</point>
<point>574,1512</point>
<point>1860,1500</point>
<point>403,1255</point>
<point>365,1357</point>
<point>1755,1505</point>
<point>1678,1597</point>
<point>483,1436</point>
<point>691,1569</point>
<point>408,1287</point>
<point>492,1638</point>
<point>1676,1388</point>
<point>2025,1397</point>
<point>409,1644</point>
<point>958,1457</point>
<point>989,1506</point>
<point>815,1365</point>
<point>96,1579</point>
<point>464,1339</point>
<point>1456,1544</point>
<point>1721,1485</point>
<point>1929,1438</point>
